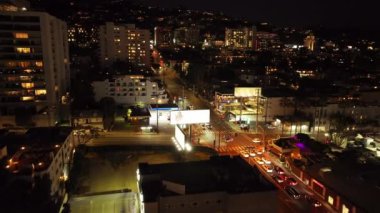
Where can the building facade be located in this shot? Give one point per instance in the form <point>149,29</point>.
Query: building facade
<point>34,66</point>
<point>239,38</point>
<point>163,37</point>
<point>130,90</point>
<point>124,43</point>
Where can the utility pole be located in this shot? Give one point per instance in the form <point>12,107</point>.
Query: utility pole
<point>157,111</point>
<point>183,97</point>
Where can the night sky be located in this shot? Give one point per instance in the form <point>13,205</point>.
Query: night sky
<point>362,14</point>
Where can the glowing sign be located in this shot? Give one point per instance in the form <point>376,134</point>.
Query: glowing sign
<point>190,116</point>
<point>247,91</point>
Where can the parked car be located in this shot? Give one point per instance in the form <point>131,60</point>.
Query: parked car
<point>252,153</point>
<point>292,192</point>
<point>291,181</point>
<point>314,202</point>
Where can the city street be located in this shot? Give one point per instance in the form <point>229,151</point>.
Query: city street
<point>228,139</point>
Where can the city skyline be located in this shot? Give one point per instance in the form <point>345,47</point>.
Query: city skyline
<point>335,14</point>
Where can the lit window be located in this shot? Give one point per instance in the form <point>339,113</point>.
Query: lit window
<point>345,209</point>
<point>39,63</point>
<point>330,200</point>
<point>24,64</point>
<point>40,92</point>
<point>25,78</point>
<point>27,85</point>
<point>21,35</point>
<point>27,98</point>
<point>23,49</point>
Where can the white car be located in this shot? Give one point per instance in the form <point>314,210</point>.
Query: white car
<point>267,168</point>
<point>245,154</point>
<point>266,161</point>
<point>256,140</point>
<point>252,153</point>
<point>258,160</point>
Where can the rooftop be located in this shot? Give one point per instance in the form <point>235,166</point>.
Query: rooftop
<point>232,175</point>
<point>35,149</point>
<point>349,174</point>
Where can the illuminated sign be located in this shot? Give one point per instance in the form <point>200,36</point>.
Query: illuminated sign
<point>190,116</point>
<point>247,91</point>
<point>180,137</point>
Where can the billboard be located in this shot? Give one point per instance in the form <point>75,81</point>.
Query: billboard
<point>190,116</point>
<point>180,137</point>
<point>247,91</point>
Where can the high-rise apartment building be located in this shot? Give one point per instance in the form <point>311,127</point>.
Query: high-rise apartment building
<point>124,43</point>
<point>34,67</point>
<point>309,42</point>
<point>186,36</point>
<point>163,37</point>
<point>239,38</point>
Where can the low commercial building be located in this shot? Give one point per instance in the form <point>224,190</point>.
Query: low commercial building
<point>131,90</point>
<point>221,184</point>
<point>346,181</point>
<point>88,119</point>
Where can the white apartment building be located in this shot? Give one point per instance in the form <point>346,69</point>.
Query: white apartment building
<point>125,43</point>
<point>34,66</point>
<point>130,90</point>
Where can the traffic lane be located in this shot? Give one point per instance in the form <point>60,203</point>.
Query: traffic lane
<point>300,187</point>
<point>297,205</point>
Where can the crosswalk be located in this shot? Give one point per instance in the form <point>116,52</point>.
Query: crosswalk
<point>236,149</point>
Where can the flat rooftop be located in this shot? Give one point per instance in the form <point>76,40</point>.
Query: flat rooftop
<point>34,149</point>
<point>229,174</point>
<point>351,174</point>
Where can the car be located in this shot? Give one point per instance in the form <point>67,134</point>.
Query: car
<point>267,168</point>
<point>259,151</point>
<point>266,161</point>
<point>314,202</point>
<point>258,160</point>
<point>209,127</point>
<point>278,179</point>
<point>229,139</point>
<point>244,154</point>
<point>291,181</point>
<point>292,192</point>
<point>252,153</point>
<point>279,170</point>
<point>256,140</point>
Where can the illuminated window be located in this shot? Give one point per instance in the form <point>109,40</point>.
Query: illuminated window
<point>330,200</point>
<point>27,70</point>
<point>345,209</point>
<point>40,92</point>
<point>27,85</point>
<point>39,63</point>
<point>23,49</point>
<point>24,64</point>
<point>21,35</point>
<point>27,98</point>
<point>25,78</point>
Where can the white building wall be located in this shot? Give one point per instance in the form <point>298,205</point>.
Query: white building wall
<point>130,90</point>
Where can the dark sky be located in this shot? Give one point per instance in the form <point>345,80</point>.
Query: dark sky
<point>331,13</point>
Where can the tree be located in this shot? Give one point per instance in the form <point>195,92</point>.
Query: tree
<point>340,122</point>
<point>108,107</point>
